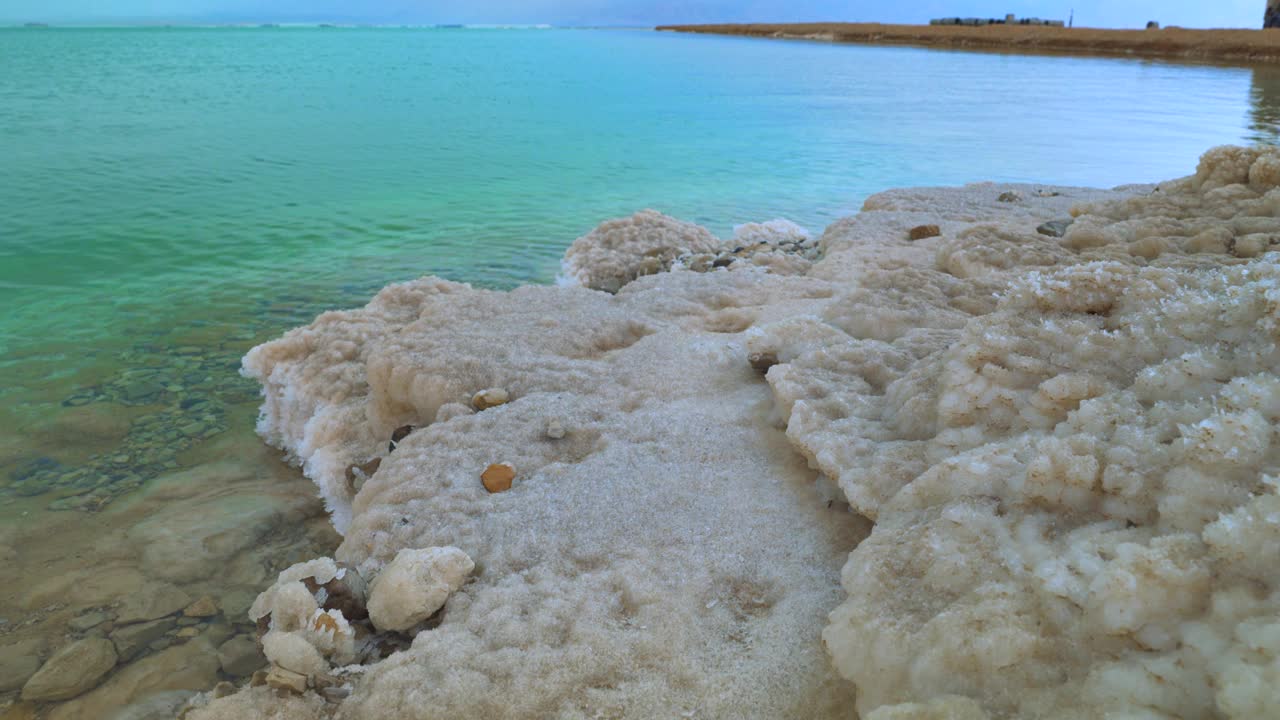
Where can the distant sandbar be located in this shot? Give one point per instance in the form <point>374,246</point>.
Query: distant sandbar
<point>1206,45</point>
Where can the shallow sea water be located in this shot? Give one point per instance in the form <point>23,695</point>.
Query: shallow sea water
<point>171,197</point>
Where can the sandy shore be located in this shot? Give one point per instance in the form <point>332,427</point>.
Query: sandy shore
<point>1201,45</point>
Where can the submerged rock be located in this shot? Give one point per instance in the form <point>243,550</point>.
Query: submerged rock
<point>240,656</point>
<point>71,671</point>
<point>153,601</point>
<point>88,621</point>
<point>202,608</point>
<point>18,662</point>
<point>178,671</point>
<point>131,640</point>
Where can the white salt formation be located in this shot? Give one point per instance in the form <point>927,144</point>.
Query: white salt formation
<point>305,633</point>
<point>622,250</point>
<point>414,585</point>
<point>1066,446</point>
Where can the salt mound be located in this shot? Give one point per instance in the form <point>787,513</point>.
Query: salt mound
<point>1065,444</point>
<point>619,251</point>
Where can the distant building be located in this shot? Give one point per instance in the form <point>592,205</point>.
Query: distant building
<point>1009,19</point>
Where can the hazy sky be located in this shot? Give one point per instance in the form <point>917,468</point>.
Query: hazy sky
<point>1113,13</point>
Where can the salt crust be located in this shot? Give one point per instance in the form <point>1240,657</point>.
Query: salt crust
<point>1066,446</point>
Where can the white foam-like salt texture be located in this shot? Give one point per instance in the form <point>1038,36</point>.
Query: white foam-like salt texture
<point>1056,453</point>
<point>774,232</point>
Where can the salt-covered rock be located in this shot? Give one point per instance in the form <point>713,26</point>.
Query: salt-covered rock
<point>290,650</point>
<point>554,429</point>
<point>74,669</point>
<point>262,701</point>
<point>301,617</point>
<point>492,397</point>
<point>282,679</point>
<point>414,585</point>
<point>773,232</point>
<point>292,604</point>
<point>619,251</point>
<point>449,411</point>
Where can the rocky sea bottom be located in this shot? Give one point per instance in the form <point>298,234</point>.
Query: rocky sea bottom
<point>140,515</point>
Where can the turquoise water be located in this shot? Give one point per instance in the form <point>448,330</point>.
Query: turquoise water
<point>169,197</point>
<point>149,173</point>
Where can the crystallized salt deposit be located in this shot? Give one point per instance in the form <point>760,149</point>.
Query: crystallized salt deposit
<point>415,584</point>
<point>1066,446</point>
<point>619,251</point>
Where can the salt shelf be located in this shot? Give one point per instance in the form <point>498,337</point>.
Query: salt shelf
<point>1045,464</point>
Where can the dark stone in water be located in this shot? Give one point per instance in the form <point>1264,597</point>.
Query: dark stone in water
<point>34,467</point>
<point>36,476</point>
<point>143,392</point>
<point>29,489</point>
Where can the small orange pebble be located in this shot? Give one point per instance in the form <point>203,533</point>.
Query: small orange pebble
<point>497,477</point>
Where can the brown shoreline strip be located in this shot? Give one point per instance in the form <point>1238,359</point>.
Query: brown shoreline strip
<point>1234,46</point>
